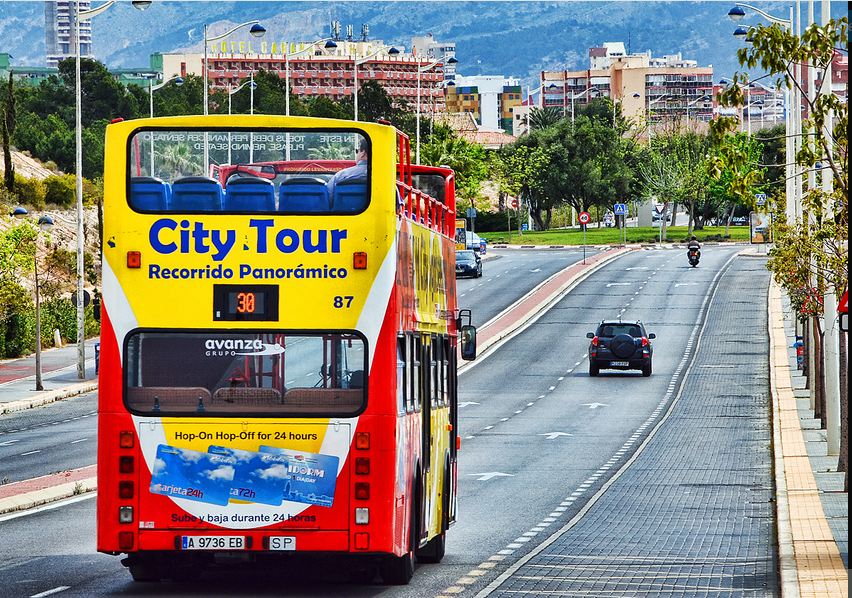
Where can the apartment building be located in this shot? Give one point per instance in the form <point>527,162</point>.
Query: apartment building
<point>649,89</point>
<point>59,31</point>
<point>319,70</point>
<point>491,99</point>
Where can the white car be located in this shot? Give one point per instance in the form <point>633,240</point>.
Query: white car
<point>473,241</point>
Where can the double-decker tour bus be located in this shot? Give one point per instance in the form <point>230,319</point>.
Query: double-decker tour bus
<point>279,344</point>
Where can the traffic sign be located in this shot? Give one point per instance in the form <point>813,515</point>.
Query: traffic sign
<point>514,203</point>
<point>86,298</point>
<point>584,217</point>
<point>621,209</point>
<point>760,198</point>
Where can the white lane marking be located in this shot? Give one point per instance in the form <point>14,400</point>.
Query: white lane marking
<point>49,592</point>
<point>30,453</point>
<point>81,440</point>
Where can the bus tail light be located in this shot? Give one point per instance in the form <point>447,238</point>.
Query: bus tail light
<point>362,465</point>
<point>362,490</point>
<point>125,464</point>
<point>126,439</point>
<point>359,260</point>
<point>134,259</point>
<point>362,441</point>
<point>125,489</point>
<point>362,516</point>
<point>125,540</point>
<point>125,514</point>
<point>362,541</point>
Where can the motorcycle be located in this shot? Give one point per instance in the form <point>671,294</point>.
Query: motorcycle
<point>693,254</point>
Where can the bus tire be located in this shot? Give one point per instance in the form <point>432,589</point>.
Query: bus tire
<point>398,570</point>
<point>143,573</point>
<point>435,548</point>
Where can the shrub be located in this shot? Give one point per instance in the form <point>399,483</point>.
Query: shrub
<point>30,192</point>
<point>61,190</point>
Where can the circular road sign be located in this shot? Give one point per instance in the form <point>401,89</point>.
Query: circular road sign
<point>584,217</point>
<point>514,203</point>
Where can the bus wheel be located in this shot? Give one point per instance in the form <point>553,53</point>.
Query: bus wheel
<point>399,570</point>
<point>435,548</point>
<point>143,573</point>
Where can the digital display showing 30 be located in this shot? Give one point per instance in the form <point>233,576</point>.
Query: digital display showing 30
<point>245,302</point>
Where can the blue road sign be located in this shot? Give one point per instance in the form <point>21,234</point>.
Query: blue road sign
<point>621,209</point>
<point>760,198</point>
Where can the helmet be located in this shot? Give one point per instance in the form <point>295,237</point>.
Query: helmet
<point>693,238</point>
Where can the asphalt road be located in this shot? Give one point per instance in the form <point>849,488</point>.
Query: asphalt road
<point>538,437</point>
<point>47,439</point>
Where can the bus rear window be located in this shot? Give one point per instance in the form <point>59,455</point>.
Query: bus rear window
<point>236,374</point>
<point>262,171</point>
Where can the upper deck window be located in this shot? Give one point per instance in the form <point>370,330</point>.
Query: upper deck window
<point>261,171</point>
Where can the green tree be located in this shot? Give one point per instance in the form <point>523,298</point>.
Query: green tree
<point>8,121</point>
<point>810,258</point>
<point>542,118</point>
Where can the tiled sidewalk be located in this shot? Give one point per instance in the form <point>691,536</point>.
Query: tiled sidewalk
<point>820,569</point>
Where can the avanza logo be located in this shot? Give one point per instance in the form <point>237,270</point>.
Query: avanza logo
<point>234,344</point>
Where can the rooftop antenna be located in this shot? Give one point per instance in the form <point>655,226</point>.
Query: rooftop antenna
<point>335,30</point>
<point>365,32</point>
<point>349,32</point>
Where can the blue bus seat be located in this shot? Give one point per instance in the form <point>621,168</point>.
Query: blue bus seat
<point>250,194</point>
<point>196,194</point>
<point>303,194</point>
<point>350,196</point>
<point>149,193</point>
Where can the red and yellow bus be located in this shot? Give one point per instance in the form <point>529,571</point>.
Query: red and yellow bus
<point>279,345</point>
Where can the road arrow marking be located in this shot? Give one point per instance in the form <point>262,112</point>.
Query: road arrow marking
<point>7,443</point>
<point>619,284</point>
<point>491,474</point>
<point>552,435</point>
<point>686,284</point>
<point>638,268</point>
<point>595,405</point>
<point>466,403</point>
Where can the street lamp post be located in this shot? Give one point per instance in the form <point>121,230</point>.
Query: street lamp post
<point>81,15</point>
<point>578,96</point>
<point>151,89</point>
<point>329,44</point>
<point>704,98</point>
<point>360,61</point>
<point>45,223</point>
<point>619,101</point>
<point>257,30</point>
<point>793,112</point>
<point>659,99</point>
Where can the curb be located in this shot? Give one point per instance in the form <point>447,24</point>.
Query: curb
<point>810,560</point>
<point>44,489</point>
<point>49,397</point>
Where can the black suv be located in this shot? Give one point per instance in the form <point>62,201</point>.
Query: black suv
<point>620,345</point>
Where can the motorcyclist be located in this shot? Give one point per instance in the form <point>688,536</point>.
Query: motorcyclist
<point>694,244</point>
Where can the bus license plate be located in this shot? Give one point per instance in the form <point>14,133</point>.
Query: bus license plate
<point>617,364</point>
<point>282,543</point>
<point>213,542</point>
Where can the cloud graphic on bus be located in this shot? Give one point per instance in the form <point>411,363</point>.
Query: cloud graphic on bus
<point>279,472</point>
<point>225,472</point>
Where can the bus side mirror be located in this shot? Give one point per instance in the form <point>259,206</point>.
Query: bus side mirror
<point>468,343</point>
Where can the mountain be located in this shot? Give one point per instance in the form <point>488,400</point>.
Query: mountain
<point>513,39</point>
